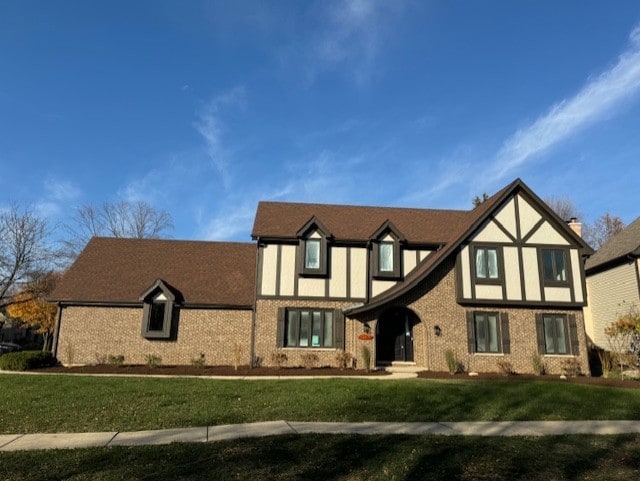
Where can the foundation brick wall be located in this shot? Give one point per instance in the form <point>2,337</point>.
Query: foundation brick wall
<point>89,332</point>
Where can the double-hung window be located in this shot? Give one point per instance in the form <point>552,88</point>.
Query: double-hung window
<point>554,266</point>
<point>555,334</point>
<point>487,332</point>
<point>487,267</point>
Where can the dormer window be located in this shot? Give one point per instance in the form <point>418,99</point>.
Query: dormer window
<point>386,252</point>
<point>159,313</point>
<point>385,256</point>
<point>312,254</point>
<point>313,249</point>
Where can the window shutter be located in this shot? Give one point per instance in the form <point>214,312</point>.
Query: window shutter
<point>471,333</point>
<point>280,327</point>
<point>504,331</point>
<point>338,329</point>
<point>145,318</point>
<point>540,333</point>
<point>573,335</point>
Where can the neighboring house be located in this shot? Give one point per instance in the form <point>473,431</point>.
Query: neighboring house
<point>613,282</point>
<point>499,283</point>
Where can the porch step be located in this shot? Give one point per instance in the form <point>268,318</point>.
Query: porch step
<point>402,367</point>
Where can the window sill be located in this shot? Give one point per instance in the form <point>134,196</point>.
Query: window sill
<point>490,354</point>
<point>562,356</point>
<point>327,349</point>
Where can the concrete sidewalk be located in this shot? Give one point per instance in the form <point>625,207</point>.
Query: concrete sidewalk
<point>21,442</point>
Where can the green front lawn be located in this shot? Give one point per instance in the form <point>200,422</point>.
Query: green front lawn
<point>342,457</point>
<point>37,403</point>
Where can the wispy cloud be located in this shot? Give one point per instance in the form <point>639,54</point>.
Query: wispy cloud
<point>598,99</point>
<point>57,194</point>
<point>210,125</point>
<point>350,35</point>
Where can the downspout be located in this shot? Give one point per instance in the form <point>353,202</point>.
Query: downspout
<point>56,332</point>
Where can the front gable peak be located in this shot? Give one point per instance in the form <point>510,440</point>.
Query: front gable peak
<point>313,225</point>
<point>387,228</point>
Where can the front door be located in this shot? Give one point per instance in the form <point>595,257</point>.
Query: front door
<point>394,339</point>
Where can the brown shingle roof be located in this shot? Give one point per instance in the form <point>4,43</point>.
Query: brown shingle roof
<point>357,223</point>
<point>113,270</point>
<point>624,243</point>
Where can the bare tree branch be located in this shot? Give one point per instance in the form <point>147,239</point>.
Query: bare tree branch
<point>22,247</point>
<point>122,219</point>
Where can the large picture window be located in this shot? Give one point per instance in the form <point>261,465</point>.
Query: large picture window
<point>309,328</point>
<point>554,266</point>
<point>487,267</point>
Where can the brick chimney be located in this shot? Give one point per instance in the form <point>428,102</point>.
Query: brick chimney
<point>575,226</point>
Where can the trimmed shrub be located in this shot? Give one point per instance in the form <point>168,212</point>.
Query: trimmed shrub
<point>309,360</point>
<point>200,361</point>
<point>506,368</point>
<point>344,359</point>
<point>279,357</point>
<point>25,360</point>
<point>115,360</point>
<point>153,360</point>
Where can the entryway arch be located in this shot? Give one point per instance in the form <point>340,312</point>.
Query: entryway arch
<point>394,335</point>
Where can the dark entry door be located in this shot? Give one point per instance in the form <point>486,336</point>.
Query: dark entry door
<point>395,337</point>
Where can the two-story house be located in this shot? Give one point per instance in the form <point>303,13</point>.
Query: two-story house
<point>500,283</point>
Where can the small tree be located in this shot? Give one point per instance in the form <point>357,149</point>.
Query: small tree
<point>31,307</point>
<point>477,200</point>
<point>621,335</point>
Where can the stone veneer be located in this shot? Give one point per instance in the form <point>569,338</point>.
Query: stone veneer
<point>88,333</point>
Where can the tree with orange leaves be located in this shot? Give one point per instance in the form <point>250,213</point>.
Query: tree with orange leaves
<point>31,307</point>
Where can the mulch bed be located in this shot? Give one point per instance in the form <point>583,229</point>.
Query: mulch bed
<point>597,381</point>
<point>322,371</point>
<point>210,371</point>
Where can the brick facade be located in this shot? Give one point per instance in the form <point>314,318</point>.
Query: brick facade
<point>88,333</point>
<point>434,302</point>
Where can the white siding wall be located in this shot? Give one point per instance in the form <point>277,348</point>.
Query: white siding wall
<point>611,293</point>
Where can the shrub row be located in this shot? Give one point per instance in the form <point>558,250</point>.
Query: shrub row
<point>25,360</point>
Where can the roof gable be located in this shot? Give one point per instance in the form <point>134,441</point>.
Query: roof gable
<point>476,220</point>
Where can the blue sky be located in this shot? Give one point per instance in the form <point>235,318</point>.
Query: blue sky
<point>204,108</point>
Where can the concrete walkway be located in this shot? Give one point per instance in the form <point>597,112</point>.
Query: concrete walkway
<point>21,442</point>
